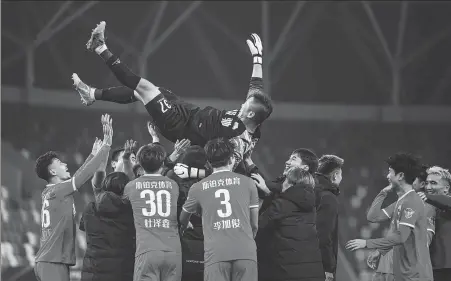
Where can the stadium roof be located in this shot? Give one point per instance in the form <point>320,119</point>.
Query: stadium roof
<point>319,52</point>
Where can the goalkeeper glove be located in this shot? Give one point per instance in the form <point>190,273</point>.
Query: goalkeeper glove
<point>256,48</point>
<point>185,172</point>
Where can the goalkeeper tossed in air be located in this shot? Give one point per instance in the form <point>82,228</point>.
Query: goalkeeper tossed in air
<point>175,118</point>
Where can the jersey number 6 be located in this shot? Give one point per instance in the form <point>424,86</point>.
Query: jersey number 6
<point>45,214</point>
<point>225,202</point>
<point>157,207</point>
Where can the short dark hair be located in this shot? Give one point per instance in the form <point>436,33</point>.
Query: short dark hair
<point>138,170</point>
<point>422,172</point>
<point>219,151</point>
<point>42,165</point>
<point>309,158</point>
<point>262,106</point>
<point>151,157</point>
<point>115,182</point>
<point>405,163</point>
<point>116,152</point>
<point>327,164</point>
<point>194,156</point>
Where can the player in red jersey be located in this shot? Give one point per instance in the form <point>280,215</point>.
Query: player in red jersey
<point>177,119</point>
<point>57,251</point>
<point>153,198</point>
<point>228,203</point>
<point>411,260</point>
<point>381,260</point>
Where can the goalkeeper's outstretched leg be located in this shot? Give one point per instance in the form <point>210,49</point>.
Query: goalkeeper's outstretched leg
<point>146,90</point>
<point>169,114</point>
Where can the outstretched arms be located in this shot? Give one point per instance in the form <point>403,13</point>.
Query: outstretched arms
<point>88,171</point>
<point>256,49</point>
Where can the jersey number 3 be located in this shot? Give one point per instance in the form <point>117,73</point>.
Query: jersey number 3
<point>45,214</point>
<point>224,193</point>
<point>156,203</point>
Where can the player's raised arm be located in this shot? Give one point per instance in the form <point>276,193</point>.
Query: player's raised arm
<point>256,49</point>
<point>100,174</point>
<point>127,165</point>
<point>102,154</point>
<point>376,213</point>
<point>86,161</point>
<point>153,132</point>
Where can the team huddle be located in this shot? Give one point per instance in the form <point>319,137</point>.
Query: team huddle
<point>156,209</point>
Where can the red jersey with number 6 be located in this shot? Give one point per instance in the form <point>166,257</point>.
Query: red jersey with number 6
<point>58,224</point>
<point>224,199</point>
<point>154,202</point>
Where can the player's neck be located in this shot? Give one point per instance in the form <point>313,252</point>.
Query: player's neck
<point>250,126</point>
<point>153,173</point>
<point>54,180</point>
<point>221,169</point>
<point>404,188</point>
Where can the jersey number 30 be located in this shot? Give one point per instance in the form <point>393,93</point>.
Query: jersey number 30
<point>45,214</point>
<point>224,194</point>
<point>156,202</point>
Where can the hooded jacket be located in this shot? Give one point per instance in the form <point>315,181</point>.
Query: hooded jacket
<point>293,249</point>
<point>110,237</point>
<point>327,221</point>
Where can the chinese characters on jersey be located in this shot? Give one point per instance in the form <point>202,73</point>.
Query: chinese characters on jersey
<point>226,224</point>
<point>220,182</point>
<point>156,223</point>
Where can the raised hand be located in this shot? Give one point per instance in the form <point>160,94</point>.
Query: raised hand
<point>153,131</point>
<point>97,145</point>
<point>107,124</point>
<point>255,45</point>
<point>260,183</point>
<point>181,146</point>
<point>128,148</point>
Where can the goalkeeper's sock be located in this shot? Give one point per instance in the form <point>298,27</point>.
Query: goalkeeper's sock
<point>122,95</point>
<point>120,70</point>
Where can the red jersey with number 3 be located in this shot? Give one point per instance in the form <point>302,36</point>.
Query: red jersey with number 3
<point>58,224</point>
<point>224,199</point>
<point>154,202</point>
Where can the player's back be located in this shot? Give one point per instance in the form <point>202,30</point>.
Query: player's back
<point>413,255</point>
<point>57,224</point>
<point>225,199</point>
<point>154,202</point>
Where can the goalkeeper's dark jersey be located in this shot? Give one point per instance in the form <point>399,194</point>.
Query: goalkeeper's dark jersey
<point>211,123</point>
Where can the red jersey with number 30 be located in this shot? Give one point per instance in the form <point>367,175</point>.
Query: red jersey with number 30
<point>224,199</point>
<point>58,224</point>
<point>154,202</point>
